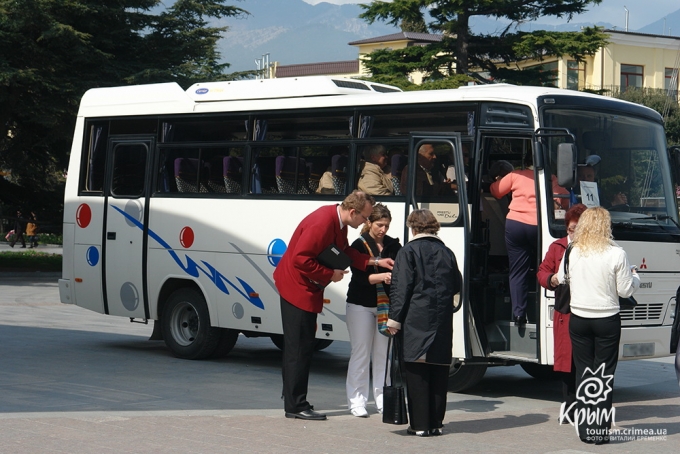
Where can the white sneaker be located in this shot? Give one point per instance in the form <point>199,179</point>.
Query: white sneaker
<point>359,412</point>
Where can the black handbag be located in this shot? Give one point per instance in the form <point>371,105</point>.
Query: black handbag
<point>562,292</point>
<point>394,394</point>
<point>627,303</point>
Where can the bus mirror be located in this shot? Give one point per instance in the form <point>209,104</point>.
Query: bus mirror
<point>566,165</point>
<point>538,155</point>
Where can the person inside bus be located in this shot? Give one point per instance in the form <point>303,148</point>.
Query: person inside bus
<point>369,346</point>
<point>372,178</point>
<point>429,180</point>
<point>451,169</point>
<point>547,277</point>
<point>300,279</point>
<point>599,273</point>
<point>588,172</point>
<point>521,225</point>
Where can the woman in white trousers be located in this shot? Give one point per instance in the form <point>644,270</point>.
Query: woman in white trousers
<point>368,345</point>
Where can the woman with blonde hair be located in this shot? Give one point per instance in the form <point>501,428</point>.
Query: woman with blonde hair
<point>599,273</point>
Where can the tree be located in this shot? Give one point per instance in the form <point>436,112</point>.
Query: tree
<point>484,57</point>
<point>52,51</point>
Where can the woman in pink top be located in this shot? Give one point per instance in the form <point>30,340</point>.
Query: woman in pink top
<point>521,226</point>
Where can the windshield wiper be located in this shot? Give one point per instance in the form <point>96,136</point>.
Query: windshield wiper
<point>656,217</point>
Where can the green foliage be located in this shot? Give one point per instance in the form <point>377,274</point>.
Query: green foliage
<point>481,56</point>
<point>50,238</point>
<point>29,261</point>
<point>658,100</point>
<point>52,51</point>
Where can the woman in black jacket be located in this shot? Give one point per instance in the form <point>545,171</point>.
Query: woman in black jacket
<point>366,341</point>
<point>424,280</point>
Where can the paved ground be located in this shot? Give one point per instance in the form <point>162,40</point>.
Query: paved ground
<point>48,248</point>
<point>73,381</point>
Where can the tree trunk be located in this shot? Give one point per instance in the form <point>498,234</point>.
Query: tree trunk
<point>462,40</point>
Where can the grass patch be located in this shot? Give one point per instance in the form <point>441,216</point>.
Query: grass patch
<point>29,261</point>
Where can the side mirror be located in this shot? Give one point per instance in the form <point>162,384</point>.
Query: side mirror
<point>566,165</point>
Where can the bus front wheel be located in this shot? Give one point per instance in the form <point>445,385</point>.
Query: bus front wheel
<point>228,338</point>
<point>464,376</point>
<point>186,325</point>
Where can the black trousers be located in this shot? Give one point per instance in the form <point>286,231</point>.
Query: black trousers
<point>426,387</point>
<point>299,338</point>
<point>595,342</point>
<point>520,240</point>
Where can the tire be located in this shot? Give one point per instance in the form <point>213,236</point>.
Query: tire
<point>464,376</point>
<point>186,325</point>
<point>228,338</point>
<point>540,371</point>
<point>277,339</point>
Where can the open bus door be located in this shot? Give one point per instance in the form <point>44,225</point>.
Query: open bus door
<point>438,182</point>
<point>125,227</point>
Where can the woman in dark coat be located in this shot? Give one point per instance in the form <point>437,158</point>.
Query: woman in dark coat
<point>425,279</point>
<point>547,277</point>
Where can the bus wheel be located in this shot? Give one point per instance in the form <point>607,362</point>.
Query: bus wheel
<point>186,325</point>
<point>228,338</point>
<point>464,376</point>
<point>540,371</point>
<point>277,339</point>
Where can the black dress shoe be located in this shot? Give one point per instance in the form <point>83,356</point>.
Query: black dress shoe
<point>309,415</point>
<point>520,321</point>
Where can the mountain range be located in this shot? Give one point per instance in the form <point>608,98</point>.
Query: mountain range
<point>294,32</point>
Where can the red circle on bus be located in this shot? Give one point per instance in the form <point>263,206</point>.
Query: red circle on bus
<point>83,215</point>
<point>186,237</point>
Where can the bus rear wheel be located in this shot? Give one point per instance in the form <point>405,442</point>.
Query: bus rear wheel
<point>186,325</point>
<point>464,376</point>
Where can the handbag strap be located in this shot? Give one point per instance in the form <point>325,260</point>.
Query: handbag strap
<point>368,249</point>
<point>393,362</point>
<point>566,262</point>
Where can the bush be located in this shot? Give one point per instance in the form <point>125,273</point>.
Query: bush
<point>29,261</point>
<point>50,238</point>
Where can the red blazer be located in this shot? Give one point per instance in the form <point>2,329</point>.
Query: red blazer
<point>299,267</point>
<point>548,267</point>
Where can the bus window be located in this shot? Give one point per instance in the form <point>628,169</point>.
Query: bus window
<point>304,127</point>
<point>192,170</point>
<point>94,164</point>
<point>129,169</point>
<point>208,129</point>
<point>404,120</point>
<point>305,169</point>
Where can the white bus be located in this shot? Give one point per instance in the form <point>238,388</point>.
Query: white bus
<point>179,204</point>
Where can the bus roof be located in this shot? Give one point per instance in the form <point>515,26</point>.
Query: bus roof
<point>311,92</point>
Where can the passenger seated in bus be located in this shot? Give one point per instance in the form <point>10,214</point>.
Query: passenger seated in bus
<point>429,180</point>
<point>451,169</point>
<point>326,183</point>
<point>373,179</point>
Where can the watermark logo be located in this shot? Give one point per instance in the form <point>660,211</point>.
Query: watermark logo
<point>594,389</point>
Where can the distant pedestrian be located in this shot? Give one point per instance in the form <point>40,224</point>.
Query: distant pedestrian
<point>32,230</point>
<point>19,228</point>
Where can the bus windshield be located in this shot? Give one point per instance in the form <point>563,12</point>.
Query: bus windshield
<point>622,166</point>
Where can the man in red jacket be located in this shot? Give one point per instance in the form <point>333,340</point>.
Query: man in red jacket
<point>299,279</point>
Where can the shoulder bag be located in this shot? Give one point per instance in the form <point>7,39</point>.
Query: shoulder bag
<point>562,292</point>
<point>394,394</point>
<point>383,301</point>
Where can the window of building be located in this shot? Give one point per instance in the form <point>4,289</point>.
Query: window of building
<point>575,74</point>
<point>631,77</point>
<point>671,82</point>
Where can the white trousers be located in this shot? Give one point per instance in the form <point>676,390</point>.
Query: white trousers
<point>367,343</point>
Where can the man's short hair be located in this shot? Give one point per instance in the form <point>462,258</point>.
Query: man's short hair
<point>357,201</point>
<point>374,150</point>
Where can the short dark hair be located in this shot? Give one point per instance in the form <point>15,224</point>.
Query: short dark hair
<point>422,221</point>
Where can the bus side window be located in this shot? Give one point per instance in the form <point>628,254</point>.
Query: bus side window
<point>128,173</point>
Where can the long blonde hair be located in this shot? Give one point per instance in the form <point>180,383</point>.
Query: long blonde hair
<point>594,231</point>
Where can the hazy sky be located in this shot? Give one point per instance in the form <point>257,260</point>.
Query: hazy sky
<point>641,13</point>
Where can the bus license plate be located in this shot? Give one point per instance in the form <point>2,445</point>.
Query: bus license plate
<point>633,350</point>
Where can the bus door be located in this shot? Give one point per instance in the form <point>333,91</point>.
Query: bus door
<point>437,182</point>
<point>126,222</point>
<point>490,289</point>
